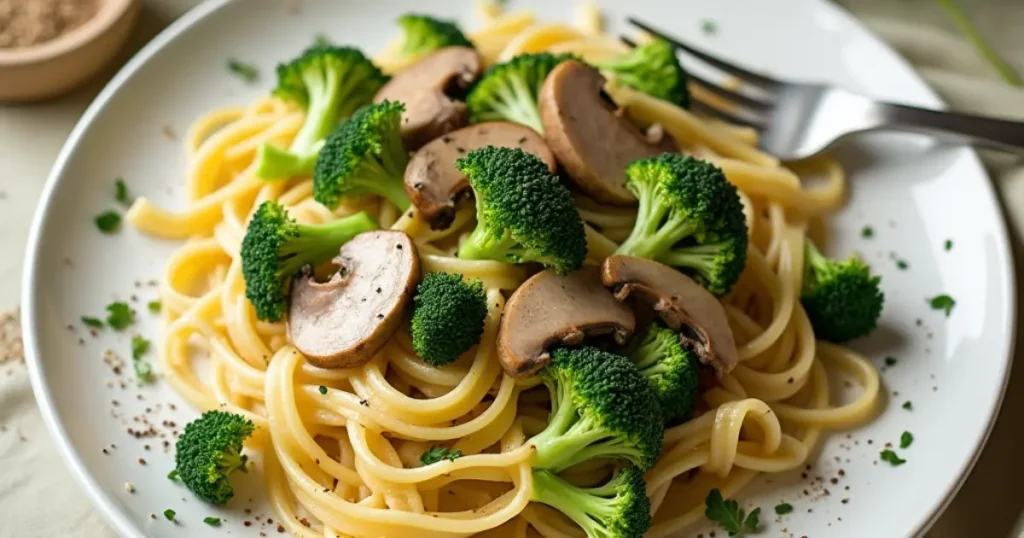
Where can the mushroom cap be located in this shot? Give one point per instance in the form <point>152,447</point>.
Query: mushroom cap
<point>680,302</point>
<point>344,320</point>
<point>426,89</point>
<point>592,142</point>
<point>549,310</point>
<point>435,185</point>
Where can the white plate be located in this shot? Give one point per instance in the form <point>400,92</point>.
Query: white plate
<point>914,194</point>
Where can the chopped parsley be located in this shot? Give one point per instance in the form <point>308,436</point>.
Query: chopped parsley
<point>867,232</point>
<point>438,453</point>
<point>942,302</point>
<point>142,368</point>
<point>323,389</point>
<point>908,406</point>
<point>154,306</point>
<point>891,457</point>
<point>709,27</point>
<point>119,315</point>
<point>90,321</point>
<point>245,71</point>
<point>783,508</point>
<point>212,521</point>
<point>322,40</point>
<point>891,361</point>
<point>173,476</point>
<point>902,265</point>
<point>729,515</point>
<point>169,514</point>
<point>121,192</point>
<point>949,244</point>
<point>906,439</point>
<point>108,222</point>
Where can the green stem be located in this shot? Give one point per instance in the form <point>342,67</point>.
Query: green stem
<point>971,33</point>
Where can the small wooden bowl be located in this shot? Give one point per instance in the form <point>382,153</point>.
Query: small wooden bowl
<point>51,68</point>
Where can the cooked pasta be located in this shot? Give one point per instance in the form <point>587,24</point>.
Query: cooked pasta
<point>345,461</point>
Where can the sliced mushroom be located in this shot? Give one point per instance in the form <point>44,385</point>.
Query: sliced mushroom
<point>682,304</point>
<point>344,319</point>
<point>434,183</point>
<point>550,310</point>
<point>427,89</point>
<point>592,141</point>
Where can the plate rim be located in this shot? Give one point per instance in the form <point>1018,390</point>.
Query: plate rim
<point>119,520</point>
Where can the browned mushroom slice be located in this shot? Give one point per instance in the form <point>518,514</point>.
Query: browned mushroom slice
<point>426,89</point>
<point>681,303</point>
<point>550,310</point>
<point>344,319</point>
<point>434,183</point>
<point>593,142</point>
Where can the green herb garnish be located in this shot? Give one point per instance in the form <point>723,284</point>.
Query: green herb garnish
<point>902,265</point>
<point>245,71</point>
<point>438,453</point>
<point>173,475</point>
<point>121,192</point>
<point>322,40</point>
<point>90,321</point>
<point>169,514</point>
<point>142,368</point>
<point>709,27</point>
<point>212,521</point>
<point>119,315</point>
<point>783,509</point>
<point>154,306</point>
<point>890,361</point>
<point>891,457</point>
<point>867,232</point>
<point>108,222</point>
<point>729,515</point>
<point>906,439</point>
<point>942,302</point>
<point>908,406</point>
<point>949,244</point>
<point>323,389</point>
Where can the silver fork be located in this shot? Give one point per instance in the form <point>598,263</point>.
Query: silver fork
<point>798,120</point>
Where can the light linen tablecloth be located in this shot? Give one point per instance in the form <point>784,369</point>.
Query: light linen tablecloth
<point>39,498</point>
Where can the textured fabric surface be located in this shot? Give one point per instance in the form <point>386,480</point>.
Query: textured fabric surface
<point>39,498</point>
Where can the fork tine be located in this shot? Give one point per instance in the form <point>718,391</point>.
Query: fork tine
<point>728,117</point>
<point>746,75</point>
<point>721,91</point>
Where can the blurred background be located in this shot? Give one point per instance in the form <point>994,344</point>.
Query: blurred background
<point>953,46</point>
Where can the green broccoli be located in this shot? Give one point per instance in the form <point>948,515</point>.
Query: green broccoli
<point>601,407</point>
<point>673,370</point>
<point>618,509</point>
<point>654,69</point>
<point>690,217</point>
<point>842,298</point>
<point>364,155</point>
<point>425,34</point>
<point>330,83</point>
<point>448,317</point>
<point>524,214</point>
<point>275,247</point>
<point>508,91</point>
<point>208,452</point>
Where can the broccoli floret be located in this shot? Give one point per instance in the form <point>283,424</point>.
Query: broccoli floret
<point>330,83</point>
<point>652,68</point>
<point>618,509</point>
<point>673,371</point>
<point>425,34</point>
<point>364,155</point>
<point>842,298</point>
<point>275,247</point>
<point>601,407</point>
<point>448,318</point>
<point>690,217</point>
<point>524,213</point>
<point>208,452</point>
<point>508,91</point>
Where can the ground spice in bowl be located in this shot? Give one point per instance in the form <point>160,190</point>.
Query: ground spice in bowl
<point>24,23</point>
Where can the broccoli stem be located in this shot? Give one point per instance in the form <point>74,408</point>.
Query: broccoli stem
<point>376,178</point>
<point>655,233</point>
<point>814,259</point>
<point>481,245</point>
<point>700,258</point>
<point>315,244</point>
<point>277,163</point>
<point>321,115</point>
<point>229,463</point>
<point>578,504</point>
<point>518,103</point>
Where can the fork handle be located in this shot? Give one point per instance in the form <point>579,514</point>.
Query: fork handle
<point>954,127</point>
